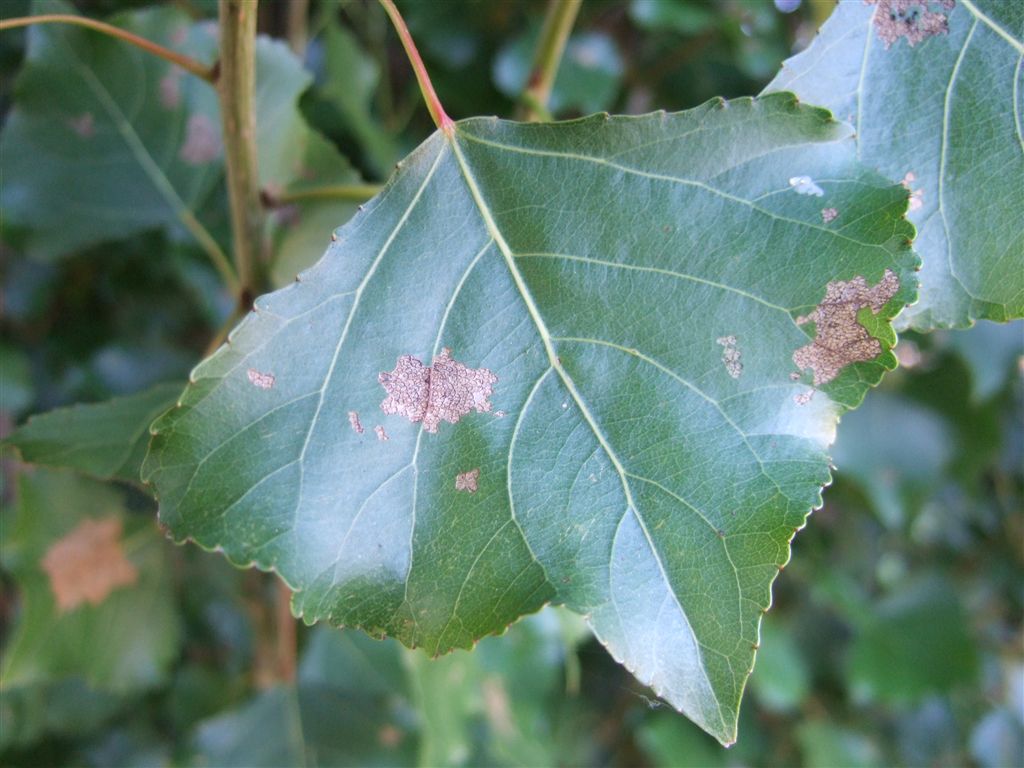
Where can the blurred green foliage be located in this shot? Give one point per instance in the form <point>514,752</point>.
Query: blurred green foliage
<point>897,635</point>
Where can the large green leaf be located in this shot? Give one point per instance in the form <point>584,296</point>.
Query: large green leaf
<point>916,643</point>
<point>935,90</point>
<point>631,295</point>
<point>107,440</point>
<point>105,140</point>
<point>96,593</point>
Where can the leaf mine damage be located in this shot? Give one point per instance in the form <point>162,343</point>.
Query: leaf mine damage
<point>804,185</point>
<point>915,20</point>
<point>840,339</point>
<point>731,356</point>
<point>88,564</point>
<point>202,141</point>
<point>84,125</point>
<point>353,420</point>
<point>260,380</point>
<point>916,195</point>
<point>467,481</point>
<point>445,391</point>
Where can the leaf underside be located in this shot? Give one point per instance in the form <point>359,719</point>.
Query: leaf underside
<point>634,287</point>
<point>946,110</point>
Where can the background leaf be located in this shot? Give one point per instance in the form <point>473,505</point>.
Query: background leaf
<point>48,643</point>
<point>945,110</point>
<point>628,468</point>
<point>106,440</point>
<point>105,140</point>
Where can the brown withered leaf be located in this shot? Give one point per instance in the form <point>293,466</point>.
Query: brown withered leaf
<point>88,564</point>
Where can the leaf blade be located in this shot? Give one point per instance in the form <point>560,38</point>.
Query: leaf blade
<point>628,439</point>
<point>920,120</point>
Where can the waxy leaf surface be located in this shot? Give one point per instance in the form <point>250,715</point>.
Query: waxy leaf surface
<point>636,288</point>
<point>943,116</point>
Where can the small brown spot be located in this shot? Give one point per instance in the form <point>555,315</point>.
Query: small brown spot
<point>839,339</point>
<point>289,216</point>
<point>202,141</point>
<point>353,420</point>
<point>170,88</point>
<point>829,214</point>
<point>916,195</point>
<point>731,356</point>
<point>446,391</point>
<point>88,564</point>
<point>389,736</point>
<point>84,125</point>
<point>261,380</point>
<point>908,354</point>
<point>496,705</point>
<point>794,376</point>
<point>381,434</point>
<point>803,398</point>
<point>499,414</point>
<point>467,480</point>
<point>916,20</point>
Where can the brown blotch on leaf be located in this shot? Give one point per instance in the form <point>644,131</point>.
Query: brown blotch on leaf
<point>916,195</point>
<point>170,88</point>
<point>731,356</point>
<point>88,564</point>
<point>381,434</point>
<point>389,736</point>
<point>84,125</point>
<point>803,398</point>
<point>353,420</point>
<point>445,391</point>
<point>839,339</point>
<point>467,481</point>
<point>202,141</point>
<point>261,380</point>
<point>916,20</point>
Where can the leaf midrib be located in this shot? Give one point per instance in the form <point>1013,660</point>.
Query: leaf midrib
<point>570,385</point>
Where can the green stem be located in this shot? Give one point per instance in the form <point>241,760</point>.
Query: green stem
<point>355,192</point>
<point>187,63</point>
<point>441,119</point>
<point>558,21</point>
<point>236,87</point>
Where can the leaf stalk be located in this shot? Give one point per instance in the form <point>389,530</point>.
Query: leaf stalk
<point>558,23</point>
<point>441,119</point>
<point>197,68</point>
<point>353,192</point>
